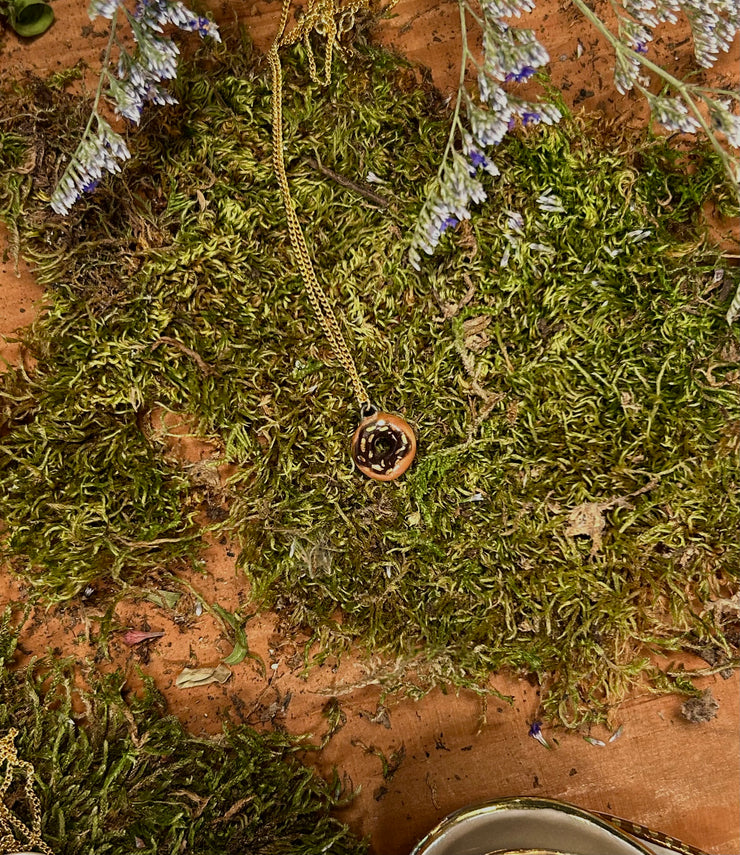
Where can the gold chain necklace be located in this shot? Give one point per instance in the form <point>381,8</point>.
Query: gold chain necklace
<point>384,445</point>
<point>14,832</point>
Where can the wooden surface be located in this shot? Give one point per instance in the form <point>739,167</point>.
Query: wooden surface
<point>678,777</point>
<point>664,772</point>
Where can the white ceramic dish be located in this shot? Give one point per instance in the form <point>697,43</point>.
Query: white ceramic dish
<point>527,825</point>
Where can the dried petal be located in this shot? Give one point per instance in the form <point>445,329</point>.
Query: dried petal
<point>535,731</point>
<point>136,636</point>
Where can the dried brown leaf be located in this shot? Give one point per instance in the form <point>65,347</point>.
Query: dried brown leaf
<point>190,678</point>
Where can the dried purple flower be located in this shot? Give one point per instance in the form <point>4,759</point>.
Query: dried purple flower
<point>535,731</point>
<point>137,83</point>
<point>520,76</point>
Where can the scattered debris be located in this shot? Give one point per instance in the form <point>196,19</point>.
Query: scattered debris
<point>588,517</point>
<point>164,599</point>
<point>380,716</point>
<point>432,791</point>
<point>204,473</point>
<point>451,310</point>
<point>716,658</point>
<point>439,742</point>
<point>617,733</point>
<point>274,711</point>
<point>593,741</point>
<point>699,710</point>
<point>729,605</point>
<point>335,715</point>
<point>475,337</point>
<point>190,678</point>
<point>391,763</point>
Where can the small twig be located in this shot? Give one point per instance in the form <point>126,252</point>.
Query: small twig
<point>188,351</point>
<point>151,544</point>
<point>234,809</point>
<point>16,116</point>
<point>379,200</point>
<point>729,665</point>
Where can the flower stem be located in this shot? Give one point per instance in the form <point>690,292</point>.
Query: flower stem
<point>464,55</point>
<point>472,12</point>
<point>99,90</point>
<point>683,89</point>
<point>106,62</point>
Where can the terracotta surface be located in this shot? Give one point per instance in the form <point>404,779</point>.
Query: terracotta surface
<point>20,300</point>
<point>664,772</point>
<point>681,778</point>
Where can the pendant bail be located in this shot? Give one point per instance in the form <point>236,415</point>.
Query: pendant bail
<point>384,445</point>
<point>368,410</point>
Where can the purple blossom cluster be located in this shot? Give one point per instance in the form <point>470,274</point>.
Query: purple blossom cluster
<point>714,25</point>
<point>511,53</point>
<point>138,82</point>
<point>635,35</point>
<point>97,153</point>
<point>509,56</point>
<point>672,113</point>
<point>155,60</point>
<point>650,13</point>
<point>627,72</point>
<point>724,121</point>
<point>458,188</point>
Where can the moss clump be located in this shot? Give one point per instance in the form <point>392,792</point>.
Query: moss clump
<point>122,776</point>
<point>571,378</point>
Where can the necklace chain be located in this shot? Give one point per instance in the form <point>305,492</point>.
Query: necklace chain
<point>12,830</point>
<point>330,20</point>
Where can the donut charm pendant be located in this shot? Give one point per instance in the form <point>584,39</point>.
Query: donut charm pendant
<point>383,446</point>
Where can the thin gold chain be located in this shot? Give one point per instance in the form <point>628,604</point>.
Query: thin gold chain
<point>14,832</point>
<point>642,831</point>
<point>330,20</point>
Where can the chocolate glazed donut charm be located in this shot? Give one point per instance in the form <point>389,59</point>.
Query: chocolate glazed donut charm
<point>383,446</point>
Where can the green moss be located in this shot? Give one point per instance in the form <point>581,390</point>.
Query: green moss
<point>605,375</point>
<point>118,774</point>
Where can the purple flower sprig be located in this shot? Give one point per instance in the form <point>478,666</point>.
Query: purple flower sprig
<point>458,186</point>
<point>714,27</point>
<point>98,152</point>
<point>137,82</point>
<point>510,55</point>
